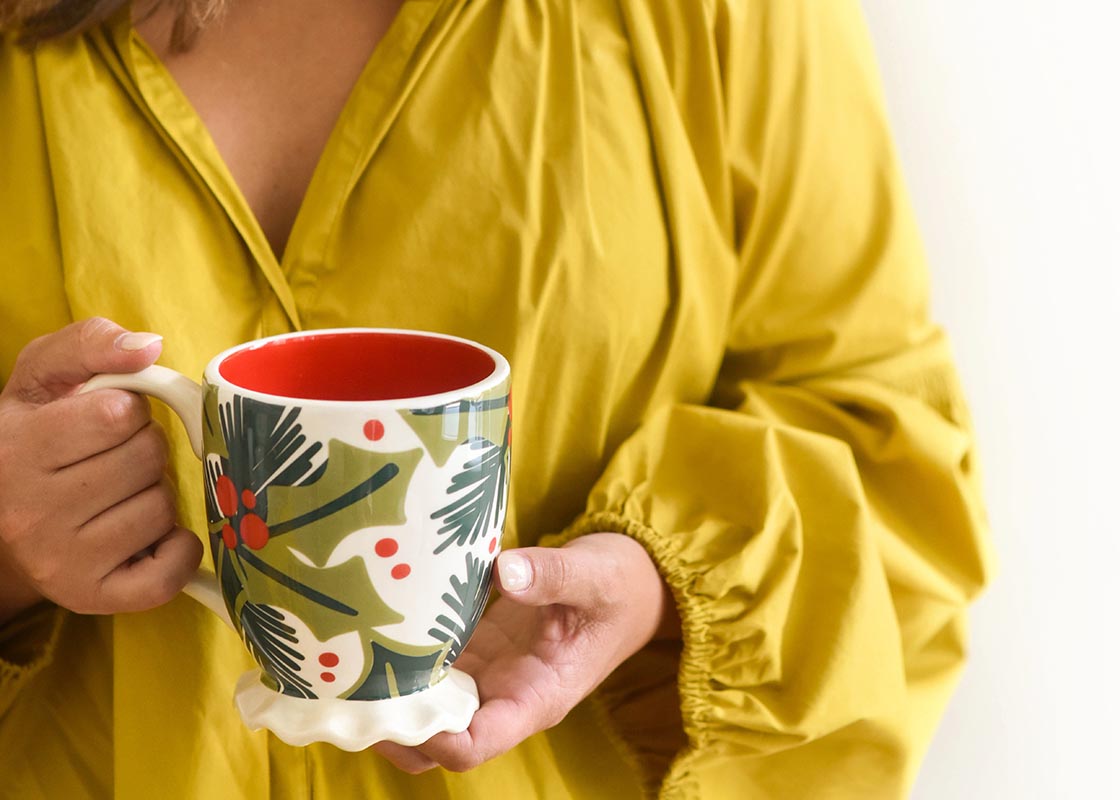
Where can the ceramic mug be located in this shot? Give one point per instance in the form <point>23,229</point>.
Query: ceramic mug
<point>356,485</point>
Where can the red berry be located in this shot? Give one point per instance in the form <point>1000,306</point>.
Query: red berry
<point>327,677</point>
<point>253,531</point>
<point>385,547</point>
<point>374,430</point>
<point>227,495</point>
<point>401,571</point>
<point>229,536</point>
<point>248,499</point>
<point>328,659</point>
<point>493,543</point>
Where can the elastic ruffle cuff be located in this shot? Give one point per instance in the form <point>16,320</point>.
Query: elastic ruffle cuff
<point>27,644</point>
<point>698,647</point>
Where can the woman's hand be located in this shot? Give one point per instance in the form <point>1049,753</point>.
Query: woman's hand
<point>565,620</point>
<point>82,489</point>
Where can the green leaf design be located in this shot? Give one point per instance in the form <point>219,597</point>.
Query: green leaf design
<point>481,488</point>
<point>214,519</point>
<point>358,489</point>
<point>211,426</point>
<point>467,600</point>
<point>330,601</point>
<point>397,669</point>
<point>270,642</point>
<point>444,428</point>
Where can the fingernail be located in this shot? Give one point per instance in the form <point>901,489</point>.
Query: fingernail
<point>136,341</point>
<point>515,572</point>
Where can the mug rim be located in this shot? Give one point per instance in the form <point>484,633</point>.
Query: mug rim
<point>212,374</point>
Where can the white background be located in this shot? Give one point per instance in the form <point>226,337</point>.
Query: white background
<point>1005,114</point>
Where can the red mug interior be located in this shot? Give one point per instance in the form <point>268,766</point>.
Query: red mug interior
<point>357,365</point>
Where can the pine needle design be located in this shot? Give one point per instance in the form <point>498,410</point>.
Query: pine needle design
<point>270,450</point>
<point>467,599</point>
<point>268,639</point>
<point>482,486</point>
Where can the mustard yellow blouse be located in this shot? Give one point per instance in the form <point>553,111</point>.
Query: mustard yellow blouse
<point>683,223</point>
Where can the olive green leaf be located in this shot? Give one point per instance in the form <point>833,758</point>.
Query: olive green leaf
<point>394,668</point>
<point>330,601</point>
<point>444,428</point>
<point>358,489</point>
<point>211,426</point>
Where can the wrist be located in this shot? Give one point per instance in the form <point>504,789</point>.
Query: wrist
<point>659,617</point>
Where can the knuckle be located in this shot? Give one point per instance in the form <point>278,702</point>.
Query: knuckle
<point>93,337</point>
<point>558,572</point>
<point>31,352</point>
<point>163,587</point>
<point>26,357</point>
<point>159,513</point>
<point>26,379</point>
<point>45,573</point>
<point>89,329</point>
<point>116,411</point>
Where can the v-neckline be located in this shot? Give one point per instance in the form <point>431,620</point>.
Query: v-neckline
<point>368,112</point>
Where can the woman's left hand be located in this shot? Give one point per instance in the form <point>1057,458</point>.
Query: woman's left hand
<point>566,618</point>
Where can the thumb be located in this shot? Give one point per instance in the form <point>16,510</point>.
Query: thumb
<point>541,576</point>
<point>52,366</point>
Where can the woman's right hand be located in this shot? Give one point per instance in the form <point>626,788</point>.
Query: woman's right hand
<point>87,519</point>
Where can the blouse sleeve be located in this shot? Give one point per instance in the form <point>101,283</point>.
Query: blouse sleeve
<point>819,522</point>
<point>27,645</point>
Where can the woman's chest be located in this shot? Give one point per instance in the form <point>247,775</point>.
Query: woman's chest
<point>494,178</point>
<point>268,82</point>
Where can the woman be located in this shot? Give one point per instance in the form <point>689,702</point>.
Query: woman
<point>683,224</point>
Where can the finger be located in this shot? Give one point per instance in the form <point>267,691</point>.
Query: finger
<point>53,365</point>
<point>102,481</point>
<point>143,583</point>
<point>497,727</point>
<point>84,425</point>
<point>541,576</point>
<point>407,759</point>
<point>129,527</point>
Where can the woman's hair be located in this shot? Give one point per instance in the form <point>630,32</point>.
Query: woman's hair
<point>36,20</point>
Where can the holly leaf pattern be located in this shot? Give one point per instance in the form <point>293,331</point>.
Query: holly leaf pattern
<point>212,437</point>
<point>329,600</point>
<point>444,428</point>
<point>314,518</point>
<point>397,669</point>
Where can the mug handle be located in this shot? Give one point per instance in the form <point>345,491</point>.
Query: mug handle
<point>184,397</point>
